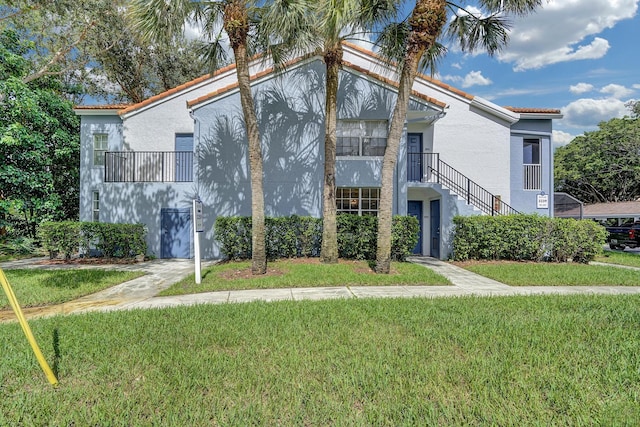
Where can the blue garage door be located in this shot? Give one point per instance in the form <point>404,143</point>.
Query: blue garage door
<point>176,233</point>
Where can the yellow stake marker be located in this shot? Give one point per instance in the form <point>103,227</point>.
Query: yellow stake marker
<point>26,329</point>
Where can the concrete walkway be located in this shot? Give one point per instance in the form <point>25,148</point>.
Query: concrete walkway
<point>161,274</point>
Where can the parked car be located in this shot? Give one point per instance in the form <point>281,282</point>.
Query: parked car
<point>624,236</point>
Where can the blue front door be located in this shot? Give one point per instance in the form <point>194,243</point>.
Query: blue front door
<point>176,233</point>
<point>414,157</point>
<point>414,208</point>
<point>434,250</point>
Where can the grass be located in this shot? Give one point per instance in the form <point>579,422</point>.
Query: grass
<point>554,274</point>
<point>298,273</point>
<point>541,360</point>
<point>35,287</point>
<point>621,258</point>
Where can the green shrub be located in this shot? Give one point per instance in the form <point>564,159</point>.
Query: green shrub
<point>526,238</point>
<point>297,236</point>
<point>112,240</point>
<point>17,246</point>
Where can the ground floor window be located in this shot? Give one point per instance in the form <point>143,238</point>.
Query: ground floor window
<point>95,207</point>
<point>358,201</point>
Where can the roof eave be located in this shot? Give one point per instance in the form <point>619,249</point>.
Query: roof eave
<point>495,110</point>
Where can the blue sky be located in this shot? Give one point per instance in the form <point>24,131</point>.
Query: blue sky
<point>576,55</point>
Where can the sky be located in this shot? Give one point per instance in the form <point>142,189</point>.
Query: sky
<point>579,56</point>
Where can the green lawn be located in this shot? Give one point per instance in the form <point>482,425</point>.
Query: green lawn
<point>539,360</point>
<point>35,287</point>
<point>299,273</point>
<point>619,257</point>
<point>554,274</point>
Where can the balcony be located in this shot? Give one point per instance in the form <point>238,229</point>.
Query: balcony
<point>532,177</point>
<point>148,166</point>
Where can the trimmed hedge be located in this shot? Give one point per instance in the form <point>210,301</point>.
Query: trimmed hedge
<point>297,236</point>
<point>526,238</point>
<point>112,240</point>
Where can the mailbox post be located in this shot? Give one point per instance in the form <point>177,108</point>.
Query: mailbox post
<point>198,227</point>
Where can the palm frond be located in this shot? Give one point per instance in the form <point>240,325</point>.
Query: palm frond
<point>472,32</point>
<point>431,58</point>
<point>215,53</point>
<point>160,20</point>
<point>510,7</point>
<point>392,41</point>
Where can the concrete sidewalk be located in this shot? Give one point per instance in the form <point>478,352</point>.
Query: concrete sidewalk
<point>161,274</point>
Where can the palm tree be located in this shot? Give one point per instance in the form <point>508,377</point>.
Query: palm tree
<point>158,18</point>
<point>419,36</point>
<point>323,25</point>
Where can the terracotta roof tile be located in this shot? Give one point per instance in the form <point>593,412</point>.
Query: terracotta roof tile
<point>102,107</point>
<point>533,110</point>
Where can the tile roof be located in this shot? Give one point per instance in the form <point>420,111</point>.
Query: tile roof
<point>102,107</point>
<point>533,110</point>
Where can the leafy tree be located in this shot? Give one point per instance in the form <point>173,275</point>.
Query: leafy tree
<point>603,165</point>
<point>408,42</point>
<point>39,144</point>
<point>158,18</point>
<point>91,45</point>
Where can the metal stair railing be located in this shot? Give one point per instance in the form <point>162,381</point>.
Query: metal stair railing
<point>427,167</point>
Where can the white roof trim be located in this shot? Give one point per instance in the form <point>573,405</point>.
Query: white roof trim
<point>96,111</point>
<point>539,116</point>
<point>495,110</point>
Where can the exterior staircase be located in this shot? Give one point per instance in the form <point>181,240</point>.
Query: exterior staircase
<point>427,167</point>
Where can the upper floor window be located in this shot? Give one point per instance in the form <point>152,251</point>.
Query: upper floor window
<point>361,137</point>
<point>358,201</point>
<point>531,152</point>
<point>100,146</point>
<point>532,170</point>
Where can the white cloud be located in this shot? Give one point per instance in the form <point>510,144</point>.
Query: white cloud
<point>636,86</point>
<point>581,88</point>
<point>588,112</point>
<point>457,65</point>
<point>616,91</point>
<point>561,138</point>
<point>564,30</point>
<point>474,78</point>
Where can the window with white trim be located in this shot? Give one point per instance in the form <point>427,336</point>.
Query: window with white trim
<point>532,170</point>
<point>358,201</point>
<point>95,207</point>
<point>100,146</point>
<point>361,137</point>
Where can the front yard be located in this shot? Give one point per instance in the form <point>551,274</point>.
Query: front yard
<point>540,360</point>
<point>35,287</point>
<point>304,272</point>
<point>553,274</point>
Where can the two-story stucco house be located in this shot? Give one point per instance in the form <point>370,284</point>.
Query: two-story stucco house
<point>460,154</point>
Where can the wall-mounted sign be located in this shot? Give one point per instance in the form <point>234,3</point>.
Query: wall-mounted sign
<point>542,201</point>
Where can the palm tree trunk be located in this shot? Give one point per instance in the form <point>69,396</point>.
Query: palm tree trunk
<point>236,26</point>
<point>329,249</point>
<point>385,213</point>
<point>427,20</point>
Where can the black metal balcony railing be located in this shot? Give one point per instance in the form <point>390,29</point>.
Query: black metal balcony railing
<point>427,167</point>
<point>148,166</point>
